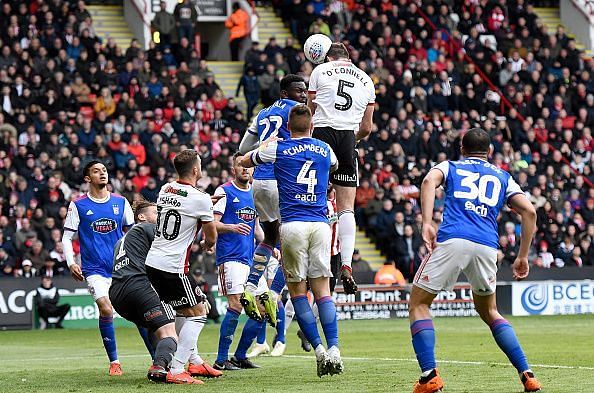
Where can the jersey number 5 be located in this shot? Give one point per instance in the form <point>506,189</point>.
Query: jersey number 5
<point>165,220</point>
<point>469,181</point>
<point>341,93</point>
<point>307,177</point>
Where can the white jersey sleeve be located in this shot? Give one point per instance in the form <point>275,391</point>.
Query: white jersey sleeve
<point>333,160</point>
<point>219,207</point>
<point>128,214</point>
<point>265,154</point>
<point>444,167</point>
<point>513,188</point>
<point>72,219</point>
<point>204,208</point>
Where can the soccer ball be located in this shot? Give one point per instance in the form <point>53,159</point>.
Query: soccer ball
<point>316,47</point>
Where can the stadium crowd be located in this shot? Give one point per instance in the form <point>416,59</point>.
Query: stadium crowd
<point>68,96</point>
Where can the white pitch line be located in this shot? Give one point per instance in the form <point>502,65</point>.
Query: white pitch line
<point>352,358</point>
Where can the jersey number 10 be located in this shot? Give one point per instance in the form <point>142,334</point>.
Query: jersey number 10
<point>469,181</point>
<point>168,234</point>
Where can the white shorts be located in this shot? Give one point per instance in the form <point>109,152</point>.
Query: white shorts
<point>306,250</point>
<point>441,270</point>
<point>266,200</point>
<point>234,275</point>
<point>98,286</point>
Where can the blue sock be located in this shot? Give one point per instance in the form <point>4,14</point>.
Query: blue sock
<point>278,284</point>
<point>327,311</point>
<point>423,340</point>
<point>249,333</point>
<point>261,257</point>
<point>280,324</point>
<point>226,332</point>
<point>506,338</point>
<point>147,341</point>
<point>108,337</point>
<point>261,335</point>
<point>306,320</point>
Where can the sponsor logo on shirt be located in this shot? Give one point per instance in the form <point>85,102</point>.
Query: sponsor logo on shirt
<point>176,191</point>
<point>481,210</point>
<point>104,225</point>
<point>152,314</point>
<point>246,214</point>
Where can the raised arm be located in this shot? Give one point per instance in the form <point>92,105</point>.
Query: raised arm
<point>526,210</point>
<point>433,180</point>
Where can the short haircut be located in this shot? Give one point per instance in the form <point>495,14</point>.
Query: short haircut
<point>338,50</point>
<point>289,79</point>
<point>184,161</point>
<point>139,207</point>
<point>476,140</point>
<point>90,164</point>
<point>236,156</point>
<point>300,118</point>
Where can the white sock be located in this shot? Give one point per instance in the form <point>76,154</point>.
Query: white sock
<point>426,373</point>
<point>320,350</point>
<point>347,228</point>
<point>289,314</point>
<point>195,358</point>
<point>188,336</point>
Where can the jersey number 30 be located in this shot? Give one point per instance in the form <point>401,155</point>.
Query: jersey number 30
<point>469,181</point>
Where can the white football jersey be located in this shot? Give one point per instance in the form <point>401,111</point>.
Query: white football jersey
<point>343,92</point>
<point>181,209</point>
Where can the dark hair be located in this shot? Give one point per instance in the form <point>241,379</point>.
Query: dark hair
<point>289,79</point>
<point>236,6</point>
<point>90,164</point>
<point>236,155</point>
<point>300,118</point>
<point>139,207</point>
<point>184,161</point>
<point>476,140</point>
<point>338,50</point>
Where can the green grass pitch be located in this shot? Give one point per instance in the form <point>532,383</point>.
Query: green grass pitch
<point>378,357</point>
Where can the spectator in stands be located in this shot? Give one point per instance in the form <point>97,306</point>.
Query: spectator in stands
<point>388,274</point>
<point>251,90</point>
<point>164,23</point>
<point>360,264</point>
<point>185,17</point>
<point>27,270</point>
<point>238,24</point>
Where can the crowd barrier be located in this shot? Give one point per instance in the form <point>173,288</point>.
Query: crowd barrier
<point>549,292</point>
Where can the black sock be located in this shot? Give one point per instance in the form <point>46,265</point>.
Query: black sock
<point>164,352</point>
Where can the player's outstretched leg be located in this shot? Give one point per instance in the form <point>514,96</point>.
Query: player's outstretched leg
<point>308,325</point>
<point>347,229</point>
<point>423,341</point>
<point>249,333</point>
<point>108,335</point>
<point>261,346</point>
<point>226,332</point>
<point>506,339</point>
<point>279,342</point>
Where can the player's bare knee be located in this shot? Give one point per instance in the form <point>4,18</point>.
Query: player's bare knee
<point>234,303</point>
<point>166,331</point>
<point>105,307</point>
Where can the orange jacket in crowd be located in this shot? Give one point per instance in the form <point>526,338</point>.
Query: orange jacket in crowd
<point>389,275</point>
<point>238,24</point>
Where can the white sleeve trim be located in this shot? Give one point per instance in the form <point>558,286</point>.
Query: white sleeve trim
<point>128,214</point>
<point>72,219</point>
<point>219,207</point>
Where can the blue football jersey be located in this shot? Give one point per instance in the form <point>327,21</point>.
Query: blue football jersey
<point>272,121</point>
<point>302,169</point>
<point>237,207</point>
<point>475,192</point>
<point>100,225</point>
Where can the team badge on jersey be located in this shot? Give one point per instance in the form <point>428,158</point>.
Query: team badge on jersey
<point>246,214</point>
<point>116,209</point>
<point>104,225</point>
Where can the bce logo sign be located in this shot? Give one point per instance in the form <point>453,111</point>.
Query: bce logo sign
<point>548,298</point>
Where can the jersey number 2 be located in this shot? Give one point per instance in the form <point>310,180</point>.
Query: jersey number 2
<point>266,122</point>
<point>341,93</point>
<point>165,220</point>
<point>469,181</point>
<point>307,177</point>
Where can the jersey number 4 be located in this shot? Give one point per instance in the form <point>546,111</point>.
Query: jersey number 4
<point>347,97</point>
<point>307,177</point>
<point>469,181</point>
<point>171,217</point>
